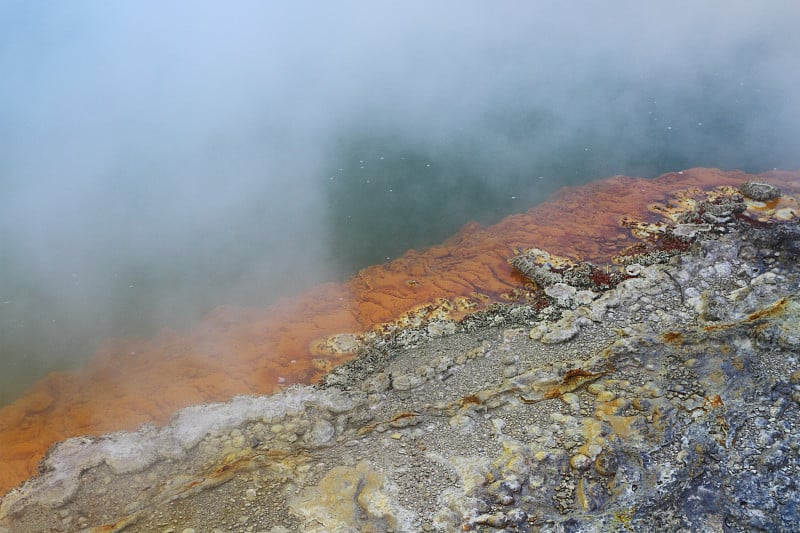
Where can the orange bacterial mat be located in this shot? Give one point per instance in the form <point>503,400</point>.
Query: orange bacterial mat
<point>236,351</point>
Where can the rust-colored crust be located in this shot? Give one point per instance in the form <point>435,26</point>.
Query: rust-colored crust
<point>255,351</point>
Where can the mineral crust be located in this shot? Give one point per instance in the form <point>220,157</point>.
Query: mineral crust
<point>233,351</point>
<point>669,401</point>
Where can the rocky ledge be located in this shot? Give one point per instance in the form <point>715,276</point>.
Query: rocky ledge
<point>667,402</point>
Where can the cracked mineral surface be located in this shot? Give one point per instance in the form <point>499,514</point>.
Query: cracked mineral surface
<point>597,230</point>
<point>668,400</point>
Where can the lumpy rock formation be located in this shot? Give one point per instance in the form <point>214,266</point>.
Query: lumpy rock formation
<point>643,379</point>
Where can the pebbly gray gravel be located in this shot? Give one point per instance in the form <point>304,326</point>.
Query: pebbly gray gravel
<point>670,402</point>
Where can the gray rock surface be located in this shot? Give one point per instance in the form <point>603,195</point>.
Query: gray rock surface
<point>670,402</point>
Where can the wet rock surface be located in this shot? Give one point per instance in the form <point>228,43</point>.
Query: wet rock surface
<point>668,402</point>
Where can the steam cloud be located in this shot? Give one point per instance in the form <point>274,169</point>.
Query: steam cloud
<point>160,158</point>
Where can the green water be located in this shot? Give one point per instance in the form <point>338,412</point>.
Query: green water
<point>386,195</point>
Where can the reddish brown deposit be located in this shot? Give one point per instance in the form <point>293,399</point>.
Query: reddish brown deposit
<point>255,351</point>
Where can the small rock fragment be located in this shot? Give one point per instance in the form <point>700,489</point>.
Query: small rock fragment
<point>579,462</point>
<point>405,382</point>
<point>760,191</point>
